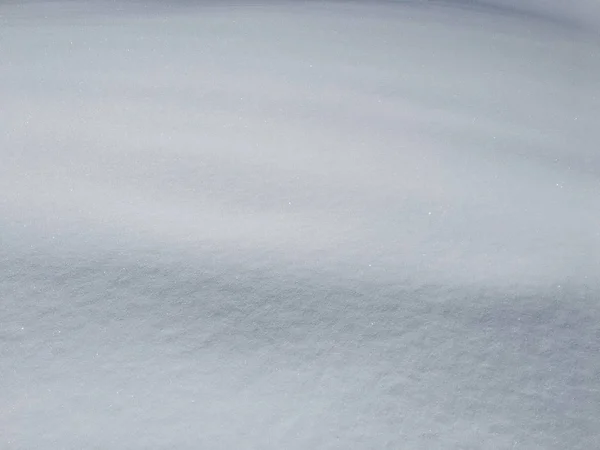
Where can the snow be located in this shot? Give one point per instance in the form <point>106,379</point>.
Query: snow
<point>299,224</point>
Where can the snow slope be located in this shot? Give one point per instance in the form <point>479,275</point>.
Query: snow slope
<point>295,225</point>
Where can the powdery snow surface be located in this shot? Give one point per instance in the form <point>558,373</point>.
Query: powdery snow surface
<point>302,225</point>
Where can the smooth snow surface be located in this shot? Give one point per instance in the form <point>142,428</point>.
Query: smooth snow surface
<point>299,225</point>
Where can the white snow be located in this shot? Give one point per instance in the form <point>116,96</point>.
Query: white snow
<point>298,225</point>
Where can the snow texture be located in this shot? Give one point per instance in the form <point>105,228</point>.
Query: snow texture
<point>299,225</point>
